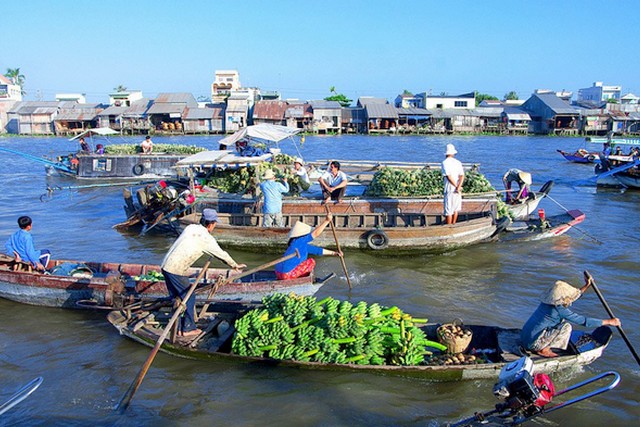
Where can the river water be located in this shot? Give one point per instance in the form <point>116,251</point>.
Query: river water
<point>87,366</point>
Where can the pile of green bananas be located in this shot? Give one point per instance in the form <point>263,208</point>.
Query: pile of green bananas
<point>331,331</point>
<point>123,149</point>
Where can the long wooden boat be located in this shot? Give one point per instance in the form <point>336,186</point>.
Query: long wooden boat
<point>498,346</point>
<point>581,156</point>
<point>80,284</point>
<point>387,225</point>
<point>536,228</point>
<point>522,209</point>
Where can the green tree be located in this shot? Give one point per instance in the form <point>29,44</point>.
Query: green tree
<point>483,96</point>
<point>406,92</point>
<point>511,96</point>
<point>16,78</point>
<point>120,88</point>
<point>339,97</point>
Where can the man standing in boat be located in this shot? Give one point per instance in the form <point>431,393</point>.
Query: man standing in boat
<point>272,206</point>
<point>195,241</point>
<point>549,327</point>
<point>523,179</point>
<point>453,175</point>
<point>333,183</point>
<point>20,246</point>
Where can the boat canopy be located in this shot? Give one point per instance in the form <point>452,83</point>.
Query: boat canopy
<point>614,141</point>
<point>96,131</point>
<point>264,132</point>
<point>223,159</point>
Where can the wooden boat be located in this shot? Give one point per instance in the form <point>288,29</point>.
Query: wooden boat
<point>522,209</point>
<point>385,225</point>
<point>537,228</point>
<point>498,345</point>
<point>617,171</point>
<point>113,285</point>
<point>580,156</point>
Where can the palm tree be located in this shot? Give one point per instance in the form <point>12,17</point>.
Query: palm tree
<point>16,78</point>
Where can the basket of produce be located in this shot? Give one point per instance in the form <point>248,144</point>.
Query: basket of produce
<point>455,336</point>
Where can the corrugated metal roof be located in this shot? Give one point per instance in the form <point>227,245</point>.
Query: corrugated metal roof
<point>138,108</point>
<point>556,104</point>
<point>76,115</point>
<point>112,111</point>
<point>237,107</point>
<point>163,108</point>
<point>488,111</point>
<point>413,111</point>
<point>273,110</point>
<point>202,113</point>
<point>176,98</point>
<point>325,105</point>
<point>370,100</point>
<point>381,111</point>
<point>298,111</point>
<point>28,107</point>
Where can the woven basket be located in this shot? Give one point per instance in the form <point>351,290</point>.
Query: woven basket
<point>455,344</point>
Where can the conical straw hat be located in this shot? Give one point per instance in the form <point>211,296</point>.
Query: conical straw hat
<point>299,229</point>
<point>561,293</point>
<point>525,177</point>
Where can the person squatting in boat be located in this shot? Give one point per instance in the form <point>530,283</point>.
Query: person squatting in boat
<point>20,246</point>
<point>549,327</point>
<point>523,179</point>
<point>333,183</point>
<point>195,241</point>
<point>300,237</point>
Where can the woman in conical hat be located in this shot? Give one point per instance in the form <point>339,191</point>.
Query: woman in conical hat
<point>549,327</point>
<point>300,237</point>
<point>524,181</point>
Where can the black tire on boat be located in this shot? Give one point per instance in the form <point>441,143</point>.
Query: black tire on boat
<point>138,169</point>
<point>591,158</point>
<point>546,187</point>
<point>377,240</point>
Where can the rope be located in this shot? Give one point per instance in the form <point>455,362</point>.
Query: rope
<point>575,227</point>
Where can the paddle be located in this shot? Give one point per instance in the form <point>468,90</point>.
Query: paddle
<point>335,237</point>
<point>126,399</point>
<point>221,281</point>
<point>590,280</point>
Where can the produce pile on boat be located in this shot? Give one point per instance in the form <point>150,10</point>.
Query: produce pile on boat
<point>392,182</point>
<point>246,179</point>
<point>126,149</point>
<point>292,327</point>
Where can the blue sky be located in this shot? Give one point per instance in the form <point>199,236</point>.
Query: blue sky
<point>301,48</point>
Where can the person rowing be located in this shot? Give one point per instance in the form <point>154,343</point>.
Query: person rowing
<point>549,326</point>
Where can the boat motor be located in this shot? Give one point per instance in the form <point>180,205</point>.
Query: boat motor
<point>521,390</point>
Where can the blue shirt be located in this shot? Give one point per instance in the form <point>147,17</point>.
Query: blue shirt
<point>304,249</point>
<point>272,191</point>
<point>22,242</point>
<point>549,316</point>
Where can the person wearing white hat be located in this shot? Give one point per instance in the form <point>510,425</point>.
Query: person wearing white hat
<point>549,327</point>
<point>272,206</point>
<point>300,237</point>
<point>524,181</point>
<point>195,241</point>
<point>453,175</point>
<point>303,182</point>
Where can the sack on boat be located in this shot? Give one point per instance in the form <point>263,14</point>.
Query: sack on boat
<point>455,336</point>
<point>73,269</point>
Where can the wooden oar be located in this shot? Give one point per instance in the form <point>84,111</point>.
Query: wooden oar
<point>589,278</point>
<point>224,281</point>
<point>126,399</point>
<point>335,237</point>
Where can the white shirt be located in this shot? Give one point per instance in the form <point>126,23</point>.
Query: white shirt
<point>331,180</point>
<point>302,173</point>
<point>451,167</point>
<point>194,241</point>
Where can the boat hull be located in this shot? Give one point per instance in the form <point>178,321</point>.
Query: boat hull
<point>102,291</point>
<point>148,336</point>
